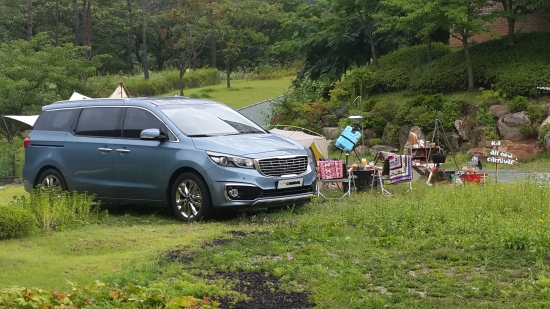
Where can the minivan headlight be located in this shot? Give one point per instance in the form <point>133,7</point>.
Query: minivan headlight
<point>229,160</point>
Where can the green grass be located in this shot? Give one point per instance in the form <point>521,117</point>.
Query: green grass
<point>242,92</point>
<point>469,246</point>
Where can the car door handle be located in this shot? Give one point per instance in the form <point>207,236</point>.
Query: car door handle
<point>104,149</point>
<point>123,150</point>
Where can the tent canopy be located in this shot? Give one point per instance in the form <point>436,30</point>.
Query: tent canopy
<point>30,120</point>
<point>78,96</point>
<point>318,144</point>
<point>120,92</point>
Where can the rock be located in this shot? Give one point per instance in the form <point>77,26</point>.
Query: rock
<point>524,149</point>
<point>479,133</point>
<point>509,126</point>
<point>547,141</point>
<point>416,130</point>
<point>499,110</point>
<point>453,139</point>
<point>544,122</point>
<point>404,136</point>
<point>331,132</point>
<point>463,128</point>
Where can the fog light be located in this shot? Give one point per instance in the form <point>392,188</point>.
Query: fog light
<point>233,193</point>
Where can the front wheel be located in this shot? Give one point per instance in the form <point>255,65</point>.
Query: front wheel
<point>50,179</point>
<point>190,198</point>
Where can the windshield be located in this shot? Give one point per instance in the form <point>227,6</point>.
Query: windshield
<point>197,120</point>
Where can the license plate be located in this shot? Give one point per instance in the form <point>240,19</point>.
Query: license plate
<point>290,183</point>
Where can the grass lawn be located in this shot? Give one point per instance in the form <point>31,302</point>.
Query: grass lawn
<point>470,246</point>
<point>242,92</point>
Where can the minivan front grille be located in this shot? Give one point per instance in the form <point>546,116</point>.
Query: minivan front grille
<point>277,167</point>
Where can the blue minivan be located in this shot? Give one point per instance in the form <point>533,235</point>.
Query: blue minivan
<point>195,155</point>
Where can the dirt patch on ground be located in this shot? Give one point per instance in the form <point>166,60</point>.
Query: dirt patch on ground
<point>263,290</point>
<point>264,293</point>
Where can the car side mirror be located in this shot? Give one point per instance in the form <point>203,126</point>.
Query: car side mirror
<point>152,134</point>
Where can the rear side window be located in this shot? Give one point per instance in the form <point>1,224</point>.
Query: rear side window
<point>137,120</point>
<point>99,121</point>
<point>55,120</point>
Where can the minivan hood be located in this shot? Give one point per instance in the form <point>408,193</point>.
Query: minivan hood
<point>251,145</point>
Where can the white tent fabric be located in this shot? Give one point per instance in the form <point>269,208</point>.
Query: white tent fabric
<point>119,92</point>
<point>30,120</point>
<point>307,140</point>
<point>78,96</point>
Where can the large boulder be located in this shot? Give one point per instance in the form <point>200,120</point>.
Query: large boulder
<point>544,122</point>
<point>404,136</point>
<point>376,148</point>
<point>547,141</point>
<point>524,149</point>
<point>416,130</point>
<point>463,128</point>
<point>478,135</point>
<point>453,139</point>
<point>499,110</point>
<point>509,126</point>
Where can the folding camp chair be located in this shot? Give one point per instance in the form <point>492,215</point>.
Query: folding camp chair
<point>331,171</point>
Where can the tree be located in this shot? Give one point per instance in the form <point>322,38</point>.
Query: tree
<point>144,54</point>
<point>466,19</point>
<point>186,31</point>
<point>421,18</point>
<point>29,20</point>
<point>515,10</point>
<point>237,30</point>
<point>24,89</point>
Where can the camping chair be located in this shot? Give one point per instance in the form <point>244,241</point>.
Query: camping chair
<point>331,171</point>
<point>396,168</point>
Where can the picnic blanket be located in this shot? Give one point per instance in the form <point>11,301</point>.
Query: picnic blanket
<point>400,168</point>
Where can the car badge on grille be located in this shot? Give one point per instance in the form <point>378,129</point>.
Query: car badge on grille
<point>285,152</point>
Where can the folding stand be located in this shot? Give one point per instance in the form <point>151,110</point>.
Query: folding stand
<point>350,180</point>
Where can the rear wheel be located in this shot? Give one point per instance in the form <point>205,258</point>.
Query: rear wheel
<point>51,178</point>
<point>190,198</point>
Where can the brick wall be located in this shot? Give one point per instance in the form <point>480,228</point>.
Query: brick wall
<point>532,22</point>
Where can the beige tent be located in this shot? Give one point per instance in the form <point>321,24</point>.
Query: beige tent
<point>318,144</point>
<point>120,92</point>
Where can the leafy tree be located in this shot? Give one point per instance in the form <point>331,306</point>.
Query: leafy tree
<point>466,19</point>
<point>237,30</point>
<point>186,33</point>
<point>36,73</point>
<point>516,10</point>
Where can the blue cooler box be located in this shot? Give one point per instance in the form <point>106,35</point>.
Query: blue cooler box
<point>347,139</point>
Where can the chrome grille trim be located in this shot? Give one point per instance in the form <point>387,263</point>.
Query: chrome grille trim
<point>277,167</point>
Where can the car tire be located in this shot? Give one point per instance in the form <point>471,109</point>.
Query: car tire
<point>190,198</point>
<point>52,178</point>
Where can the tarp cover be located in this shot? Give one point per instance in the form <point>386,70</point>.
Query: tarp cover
<point>30,120</point>
<point>318,144</point>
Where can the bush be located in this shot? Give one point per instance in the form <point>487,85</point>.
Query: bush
<point>15,222</point>
<point>543,131</point>
<point>518,104</point>
<point>396,67</point>
<point>528,131</point>
<point>53,208</point>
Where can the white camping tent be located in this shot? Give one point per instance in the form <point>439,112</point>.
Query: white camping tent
<point>318,144</point>
<point>120,92</point>
<point>30,120</point>
<point>78,96</point>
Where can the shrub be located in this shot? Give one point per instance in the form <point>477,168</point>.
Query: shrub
<point>484,117</point>
<point>536,112</point>
<point>528,131</point>
<point>543,131</point>
<point>396,68</point>
<point>15,222</point>
<point>518,104</point>
<point>54,208</point>
<point>100,295</point>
